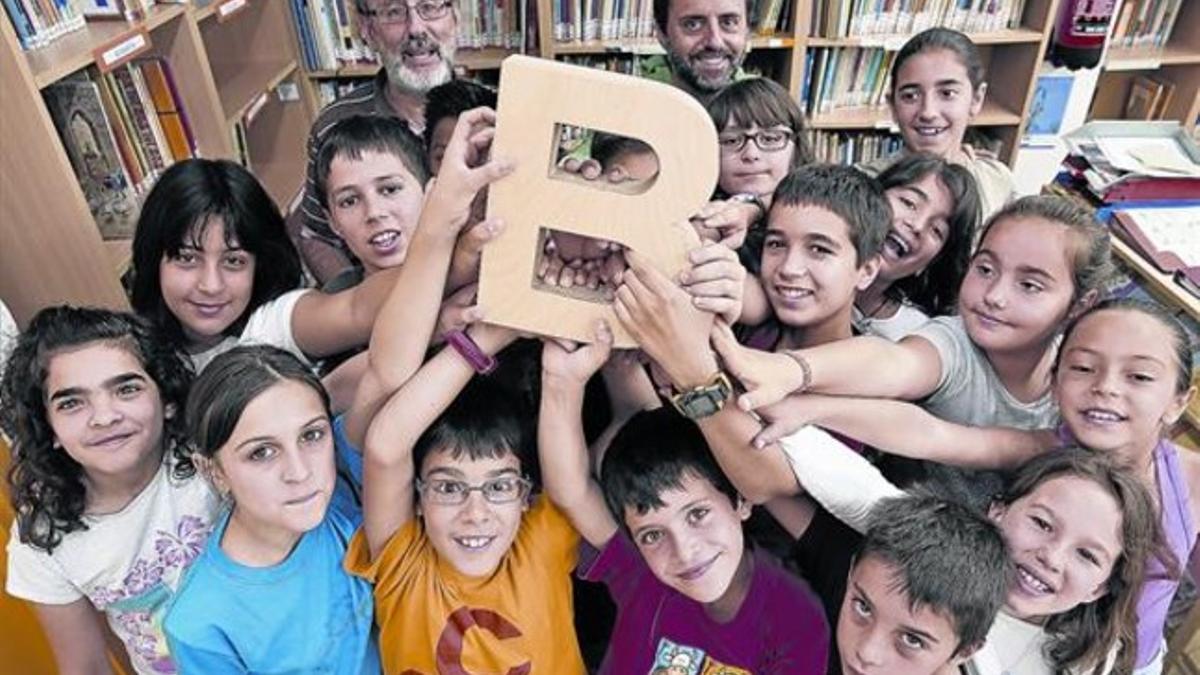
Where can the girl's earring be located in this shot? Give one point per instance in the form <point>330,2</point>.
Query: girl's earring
<point>169,411</point>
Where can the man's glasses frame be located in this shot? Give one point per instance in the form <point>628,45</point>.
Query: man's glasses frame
<point>396,13</point>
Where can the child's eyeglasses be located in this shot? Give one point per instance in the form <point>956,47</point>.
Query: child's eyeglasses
<point>397,13</point>
<point>455,492</point>
<point>767,140</point>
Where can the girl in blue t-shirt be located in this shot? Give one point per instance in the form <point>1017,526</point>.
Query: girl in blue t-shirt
<point>268,592</point>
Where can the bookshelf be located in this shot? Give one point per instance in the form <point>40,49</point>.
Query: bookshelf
<point>267,105</point>
<point>52,249</point>
<point>1176,62</point>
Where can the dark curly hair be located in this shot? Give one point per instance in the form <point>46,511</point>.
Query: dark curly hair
<point>46,484</point>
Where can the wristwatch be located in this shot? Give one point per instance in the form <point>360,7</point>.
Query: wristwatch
<point>750,198</point>
<point>704,400</point>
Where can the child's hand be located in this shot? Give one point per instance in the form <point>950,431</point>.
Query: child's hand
<point>725,221</point>
<point>668,327</point>
<point>458,311</point>
<point>784,419</point>
<point>768,377</point>
<point>715,281</point>
<point>466,168</point>
<point>571,365</point>
<point>468,249</point>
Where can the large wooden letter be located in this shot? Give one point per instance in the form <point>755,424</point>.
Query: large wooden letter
<point>535,96</point>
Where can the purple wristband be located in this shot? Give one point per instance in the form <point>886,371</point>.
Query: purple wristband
<point>478,359</point>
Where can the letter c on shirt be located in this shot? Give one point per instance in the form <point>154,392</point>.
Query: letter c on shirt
<point>450,644</point>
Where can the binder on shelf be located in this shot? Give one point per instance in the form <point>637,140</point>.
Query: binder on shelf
<point>1166,237</point>
<point>1118,161</point>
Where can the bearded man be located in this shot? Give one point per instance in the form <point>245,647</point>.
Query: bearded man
<point>415,42</point>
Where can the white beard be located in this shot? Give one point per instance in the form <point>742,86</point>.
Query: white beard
<point>400,75</point>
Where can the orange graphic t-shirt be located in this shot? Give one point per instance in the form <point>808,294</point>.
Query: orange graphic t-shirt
<point>435,621</point>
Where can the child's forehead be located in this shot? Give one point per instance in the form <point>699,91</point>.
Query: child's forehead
<point>808,219</point>
<point>368,163</point>
<point>693,491</point>
<point>883,585</point>
<point>933,65</point>
<point>451,463</point>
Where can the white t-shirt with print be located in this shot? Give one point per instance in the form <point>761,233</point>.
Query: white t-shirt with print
<point>128,563</point>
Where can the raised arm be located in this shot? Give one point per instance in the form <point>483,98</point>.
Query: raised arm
<point>562,450</point>
<point>388,470</point>
<point>329,323</point>
<point>406,321</point>
<point>905,429</point>
<point>860,366</point>
<point>673,332</point>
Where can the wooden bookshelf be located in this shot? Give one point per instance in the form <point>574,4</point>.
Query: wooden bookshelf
<point>1176,62</point>
<point>224,55</point>
<point>992,115</point>
<point>249,82</point>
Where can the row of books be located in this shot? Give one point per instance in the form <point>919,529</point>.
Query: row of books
<point>861,18</point>
<point>40,22</point>
<point>120,129</point>
<point>845,77</point>
<point>839,147</point>
<point>588,20</point>
<point>330,38</point>
<point>1145,23</point>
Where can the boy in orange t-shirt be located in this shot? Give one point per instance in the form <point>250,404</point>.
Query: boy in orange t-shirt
<point>464,582</point>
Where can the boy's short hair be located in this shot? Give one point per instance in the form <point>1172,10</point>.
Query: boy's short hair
<point>453,99</point>
<point>607,148</point>
<point>354,135</point>
<point>485,421</point>
<point>944,556</point>
<point>650,455</point>
<point>847,192</point>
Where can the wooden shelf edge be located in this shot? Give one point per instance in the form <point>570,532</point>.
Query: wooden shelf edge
<point>894,42</point>
<point>880,118</point>
<point>1149,58</point>
<point>232,116</point>
<point>74,50</point>
<point>1160,284</point>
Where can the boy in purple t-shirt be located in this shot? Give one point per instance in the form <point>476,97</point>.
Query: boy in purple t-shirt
<point>691,600</point>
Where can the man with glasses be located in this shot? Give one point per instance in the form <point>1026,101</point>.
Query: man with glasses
<point>415,42</point>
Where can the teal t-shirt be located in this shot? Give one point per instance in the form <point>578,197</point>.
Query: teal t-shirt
<point>303,615</point>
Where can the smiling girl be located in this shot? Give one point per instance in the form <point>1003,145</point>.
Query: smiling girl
<point>935,213</point>
<point>1040,262</point>
<point>108,511</point>
<point>213,268</point>
<point>938,88</point>
<point>1121,380</point>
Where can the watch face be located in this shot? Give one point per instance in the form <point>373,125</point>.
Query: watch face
<point>702,405</point>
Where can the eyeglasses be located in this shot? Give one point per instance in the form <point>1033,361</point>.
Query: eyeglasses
<point>397,12</point>
<point>767,140</point>
<point>447,492</point>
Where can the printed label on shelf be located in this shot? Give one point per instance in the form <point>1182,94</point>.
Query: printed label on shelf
<point>121,50</point>
<point>774,42</point>
<point>887,125</point>
<point>230,7</point>
<point>255,108</point>
<point>894,43</point>
<point>288,91</point>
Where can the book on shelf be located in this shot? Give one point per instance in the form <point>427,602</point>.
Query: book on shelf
<point>1148,98</point>
<point>868,18</point>
<point>40,22</point>
<point>1145,23</point>
<point>86,130</point>
<point>853,147</point>
<point>845,77</point>
<point>1164,237</point>
<point>588,20</point>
